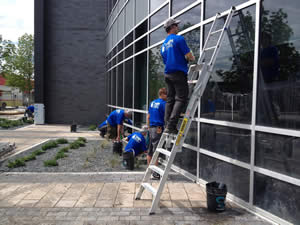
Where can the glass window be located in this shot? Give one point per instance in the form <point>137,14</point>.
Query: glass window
<point>192,39</point>
<point>191,137</point>
<point>141,44</point>
<point>156,73</point>
<point>129,39</point>
<point>157,35</point>
<point>139,119</point>
<point>229,91</point>
<point>141,10</point>
<point>120,86</point>
<point>278,153</point>
<point>236,178</point>
<point>115,33</point>
<point>154,4</point>
<point>109,88</point>
<point>113,87</point>
<point>279,198</point>
<point>128,83</point>
<point>140,81</point>
<point>212,7</point>
<point>120,57</point>
<point>129,14</point>
<point>129,51</point>
<point>231,142</point>
<point>141,29</point>
<point>187,160</point>
<point>178,5</point>
<point>190,18</point>
<point>279,67</point>
<point>159,17</point>
<point>121,27</point>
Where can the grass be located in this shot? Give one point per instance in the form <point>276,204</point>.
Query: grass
<point>51,162</point>
<point>82,139</point>
<point>92,127</point>
<point>17,163</point>
<point>61,141</point>
<point>74,145</point>
<point>65,149</point>
<point>60,155</point>
<point>49,145</point>
<point>39,152</point>
<point>81,143</point>
<point>30,157</point>
<point>6,124</point>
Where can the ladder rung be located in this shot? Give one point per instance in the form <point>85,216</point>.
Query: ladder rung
<point>210,48</point>
<point>192,81</point>
<point>217,31</point>
<point>150,188</point>
<point>163,151</point>
<point>157,169</point>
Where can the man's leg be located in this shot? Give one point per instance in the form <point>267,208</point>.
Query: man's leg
<point>170,97</point>
<point>181,98</point>
<point>154,140</point>
<point>111,132</point>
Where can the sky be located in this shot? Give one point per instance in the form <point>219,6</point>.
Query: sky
<point>16,18</point>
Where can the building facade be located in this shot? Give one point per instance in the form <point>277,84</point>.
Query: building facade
<point>246,130</point>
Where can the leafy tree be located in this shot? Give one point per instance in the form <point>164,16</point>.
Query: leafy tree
<point>17,63</point>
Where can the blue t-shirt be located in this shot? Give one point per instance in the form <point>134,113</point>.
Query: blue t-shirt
<point>173,52</point>
<point>116,117</point>
<point>137,143</point>
<point>129,121</point>
<point>31,108</point>
<point>102,124</point>
<point>157,112</point>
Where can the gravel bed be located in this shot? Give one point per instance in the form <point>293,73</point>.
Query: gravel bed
<point>96,156</point>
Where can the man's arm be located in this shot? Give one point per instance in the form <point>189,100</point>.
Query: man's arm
<point>190,57</point>
<point>119,132</point>
<point>148,120</point>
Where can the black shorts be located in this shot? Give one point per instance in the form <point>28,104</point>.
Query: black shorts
<point>154,140</point>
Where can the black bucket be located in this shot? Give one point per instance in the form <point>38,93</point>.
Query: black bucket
<point>73,128</point>
<point>216,196</point>
<point>117,147</point>
<point>128,160</point>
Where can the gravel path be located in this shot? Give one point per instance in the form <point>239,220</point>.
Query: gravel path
<point>96,156</point>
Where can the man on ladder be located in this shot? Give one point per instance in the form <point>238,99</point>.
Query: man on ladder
<point>176,55</point>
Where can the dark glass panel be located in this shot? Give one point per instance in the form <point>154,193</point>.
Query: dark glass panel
<point>212,7</point>
<point>277,197</point>
<point>192,39</point>
<point>113,87</point>
<point>178,5</point>
<point>157,35</point>
<point>278,153</point>
<point>120,86</point>
<point>231,142</point>
<point>109,88</point>
<point>114,61</point>
<point>229,91</point>
<point>141,29</point>
<point>236,178</point>
<point>279,65</point>
<point>140,81</point>
<point>156,73</point>
<point>187,160</point>
<point>190,18</point>
<point>128,83</point>
<point>191,137</point>
<point>139,119</point>
<point>154,4</point>
<point>141,44</point>
<point>129,39</point>
<point>120,46</point>
<point>159,17</point>
<point>129,51</point>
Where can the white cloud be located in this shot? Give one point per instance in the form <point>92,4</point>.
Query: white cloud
<point>16,18</point>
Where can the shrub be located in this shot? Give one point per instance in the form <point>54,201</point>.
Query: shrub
<point>51,162</point>
<point>11,164</point>
<point>50,144</point>
<point>82,139</point>
<point>38,152</point>
<point>19,162</point>
<point>81,143</point>
<point>29,157</point>
<point>65,149</point>
<point>92,127</point>
<point>74,145</point>
<point>61,141</point>
<point>60,155</point>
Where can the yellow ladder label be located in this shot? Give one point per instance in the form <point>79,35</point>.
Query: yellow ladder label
<point>181,131</point>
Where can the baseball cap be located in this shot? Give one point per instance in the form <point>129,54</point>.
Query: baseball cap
<point>170,22</point>
<point>144,128</point>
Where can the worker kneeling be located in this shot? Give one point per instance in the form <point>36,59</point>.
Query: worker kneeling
<point>135,146</point>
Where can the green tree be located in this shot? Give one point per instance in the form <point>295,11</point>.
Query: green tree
<point>17,63</point>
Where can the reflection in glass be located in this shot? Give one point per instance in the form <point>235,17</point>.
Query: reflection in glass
<point>231,142</point>
<point>279,198</point>
<point>279,65</point>
<point>159,17</point>
<point>141,44</point>
<point>129,39</point>
<point>113,87</point>
<point>129,51</point>
<point>109,88</point>
<point>212,7</point>
<point>278,153</point>
<point>156,73</point>
<point>141,10</point>
<point>154,4</point>
<point>192,39</point>
<point>228,95</point>
<point>139,119</point>
<point>187,160</point>
<point>157,35</point>
<point>129,16</point>
<point>128,83</point>
<point>120,57</point>
<point>120,86</point>
<point>121,27</point>
<point>236,178</point>
<point>140,81</point>
<point>178,5</point>
<point>141,29</point>
<point>190,18</point>
<point>191,137</point>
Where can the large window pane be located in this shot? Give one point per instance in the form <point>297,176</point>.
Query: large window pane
<point>178,5</point>
<point>128,84</point>
<point>129,51</point>
<point>159,17</point>
<point>212,7</point>
<point>187,160</point>
<point>157,35</point>
<point>154,4</point>
<point>141,44</point>
<point>109,88</point>
<point>141,29</point>
<point>236,178</point>
<point>279,67</point>
<point>129,39</point>
<point>190,18</point>
<point>192,39</point>
<point>120,86</point>
<point>140,81</point>
<point>113,87</point>
<point>129,14</point>
<point>231,142</point>
<point>156,73</point>
<point>229,91</point>
<point>191,137</point>
<point>141,10</point>
<point>277,197</point>
<point>121,26</point>
<point>278,153</point>
<point>139,119</point>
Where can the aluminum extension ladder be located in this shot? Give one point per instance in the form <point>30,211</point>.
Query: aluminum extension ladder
<point>199,75</point>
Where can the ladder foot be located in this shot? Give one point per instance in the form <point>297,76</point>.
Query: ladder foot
<point>151,213</point>
<point>137,198</point>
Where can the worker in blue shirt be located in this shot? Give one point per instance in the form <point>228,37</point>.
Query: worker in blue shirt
<point>115,123</point>
<point>136,142</point>
<point>29,111</point>
<point>175,54</point>
<point>103,126</point>
<point>155,121</point>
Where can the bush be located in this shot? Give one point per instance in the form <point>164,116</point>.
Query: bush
<point>11,164</point>
<point>51,162</point>
<point>81,143</point>
<point>82,139</point>
<point>74,145</point>
<point>17,163</point>
<point>60,155</point>
<point>38,152</point>
<point>92,127</point>
<point>29,157</point>
<point>61,141</point>
<point>65,149</point>
<point>50,144</point>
